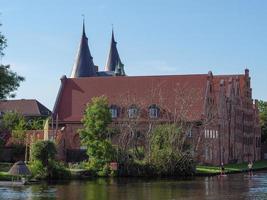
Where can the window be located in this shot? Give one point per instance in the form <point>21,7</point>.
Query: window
<point>132,111</point>
<point>153,111</point>
<point>114,111</point>
<point>211,133</point>
<point>189,133</point>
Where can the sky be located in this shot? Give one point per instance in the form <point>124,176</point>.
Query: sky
<point>154,37</point>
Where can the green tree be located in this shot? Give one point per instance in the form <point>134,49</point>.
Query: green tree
<point>9,80</point>
<point>12,120</point>
<point>16,124</point>
<point>15,121</point>
<point>263,120</point>
<point>95,134</point>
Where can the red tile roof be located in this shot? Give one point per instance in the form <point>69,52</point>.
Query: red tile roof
<point>182,93</point>
<point>168,92</point>
<point>26,107</point>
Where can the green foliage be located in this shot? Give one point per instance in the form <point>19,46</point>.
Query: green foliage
<point>136,168</point>
<point>15,123</point>
<point>55,170</point>
<point>95,135</point>
<point>18,125</point>
<point>96,119</point>
<point>165,139</point>
<point>168,154</point>
<point>58,170</point>
<point>13,120</point>
<point>38,170</point>
<point>44,151</point>
<point>44,165</point>
<point>263,120</point>
<point>9,80</point>
<point>3,43</point>
<point>35,124</point>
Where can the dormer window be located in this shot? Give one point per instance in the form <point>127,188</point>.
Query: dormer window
<point>113,111</point>
<point>132,111</point>
<point>153,111</point>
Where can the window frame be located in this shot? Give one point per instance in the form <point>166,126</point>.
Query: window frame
<point>113,109</point>
<point>133,112</point>
<point>153,109</point>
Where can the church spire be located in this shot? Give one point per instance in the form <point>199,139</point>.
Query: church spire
<point>113,57</point>
<point>84,65</point>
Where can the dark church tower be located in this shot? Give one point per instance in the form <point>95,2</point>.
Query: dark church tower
<point>114,63</point>
<point>84,65</point>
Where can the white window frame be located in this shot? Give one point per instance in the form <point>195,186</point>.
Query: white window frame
<point>132,112</point>
<point>153,112</point>
<point>114,112</point>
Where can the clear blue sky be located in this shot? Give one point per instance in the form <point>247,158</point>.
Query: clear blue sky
<point>154,37</point>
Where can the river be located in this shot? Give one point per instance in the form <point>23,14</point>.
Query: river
<point>236,186</point>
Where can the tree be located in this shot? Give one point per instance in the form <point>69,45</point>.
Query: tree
<point>263,120</point>
<point>95,133</point>
<point>3,43</point>
<point>9,80</point>
<point>12,120</point>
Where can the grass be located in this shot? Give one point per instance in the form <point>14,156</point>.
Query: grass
<point>230,168</point>
<point>4,176</point>
<point>4,167</point>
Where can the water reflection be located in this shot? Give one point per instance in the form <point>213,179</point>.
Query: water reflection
<point>238,186</point>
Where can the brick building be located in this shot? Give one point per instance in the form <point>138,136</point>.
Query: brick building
<point>220,115</point>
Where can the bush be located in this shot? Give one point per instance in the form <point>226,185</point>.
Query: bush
<point>169,154</point>
<point>59,171</point>
<point>38,170</point>
<point>44,165</point>
<point>55,170</point>
<point>43,151</point>
<point>135,169</point>
<point>170,164</point>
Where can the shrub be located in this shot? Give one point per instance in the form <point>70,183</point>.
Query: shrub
<point>43,151</point>
<point>59,171</point>
<point>55,170</point>
<point>44,165</point>
<point>38,170</point>
<point>169,154</point>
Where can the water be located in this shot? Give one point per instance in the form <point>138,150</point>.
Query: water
<point>238,186</point>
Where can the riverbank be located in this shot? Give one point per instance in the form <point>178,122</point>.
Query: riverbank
<point>77,174</point>
<point>230,168</point>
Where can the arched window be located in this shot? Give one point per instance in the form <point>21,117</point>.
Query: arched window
<point>153,111</point>
<point>132,111</point>
<point>114,111</point>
